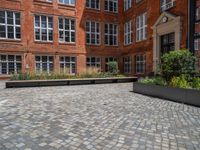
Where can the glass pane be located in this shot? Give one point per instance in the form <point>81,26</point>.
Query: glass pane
<point>2,31</point>
<point>2,16</point>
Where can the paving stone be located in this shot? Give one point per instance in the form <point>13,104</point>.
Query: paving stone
<point>94,117</point>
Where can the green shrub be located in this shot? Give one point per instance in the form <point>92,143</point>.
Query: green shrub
<point>180,82</point>
<point>113,67</point>
<point>196,83</point>
<point>154,80</point>
<point>176,63</point>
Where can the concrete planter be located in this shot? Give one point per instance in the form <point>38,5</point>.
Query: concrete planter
<point>38,83</point>
<point>187,96</point>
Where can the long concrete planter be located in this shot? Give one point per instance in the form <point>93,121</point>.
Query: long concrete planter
<point>37,83</point>
<point>187,96</point>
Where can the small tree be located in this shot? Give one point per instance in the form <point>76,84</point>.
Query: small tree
<point>177,63</point>
<point>113,67</point>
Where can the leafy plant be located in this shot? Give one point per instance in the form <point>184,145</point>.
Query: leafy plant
<point>196,83</point>
<point>113,67</point>
<point>154,80</point>
<point>176,63</point>
<point>180,82</point>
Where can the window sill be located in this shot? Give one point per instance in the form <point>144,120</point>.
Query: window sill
<point>66,43</point>
<point>93,45</point>
<point>93,9</point>
<point>127,45</point>
<point>110,12</point>
<point>7,41</point>
<point>72,7</point>
<point>43,2</point>
<point>44,42</point>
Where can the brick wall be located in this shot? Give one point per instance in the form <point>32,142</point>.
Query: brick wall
<point>28,47</point>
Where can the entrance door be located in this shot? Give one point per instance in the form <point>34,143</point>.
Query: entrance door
<point>167,43</point>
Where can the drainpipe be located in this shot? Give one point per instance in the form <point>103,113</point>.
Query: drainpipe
<point>191,24</point>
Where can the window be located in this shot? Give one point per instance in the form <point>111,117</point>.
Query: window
<point>94,4</point>
<point>92,33</point>
<point>197,15</point>
<point>137,1</point>
<point>44,64</point>
<point>140,64</point>
<point>107,60</point>
<point>167,4</point>
<point>111,34</point>
<point>10,25</point>
<point>67,2</point>
<point>141,25</point>
<point>49,0</point>
<point>196,44</point>
<point>128,33</point>
<point>68,64</point>
<point>111,5</point>
<point>127,4</point>
<point>127,64</point>
<point>10,64</point>
<point>66,30</point>
<point>43,28</point>
<point>94,62</point>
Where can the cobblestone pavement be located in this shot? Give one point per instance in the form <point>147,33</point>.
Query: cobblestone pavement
<point>94,117</point>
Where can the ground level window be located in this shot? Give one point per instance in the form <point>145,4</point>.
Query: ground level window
<point>68,64</point>
<point>127,64</point>
<point>107,60</point>
<point>10,64</point>
<point>94,62</point>
<point>44,64</point>
<point>140,64</point>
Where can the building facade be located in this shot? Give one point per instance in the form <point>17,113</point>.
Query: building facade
<point>72,35</point>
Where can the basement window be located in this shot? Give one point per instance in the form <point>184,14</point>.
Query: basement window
<point>44,64</point>
<point>67,64</point>
<point>127,64</point>
<point>94,62</point>
<point>140,62</point>
<point>10,64</point>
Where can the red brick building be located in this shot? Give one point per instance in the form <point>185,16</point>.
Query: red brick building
<point>71,35</point>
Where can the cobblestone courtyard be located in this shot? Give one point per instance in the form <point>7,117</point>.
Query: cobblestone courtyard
<point>102,117</point>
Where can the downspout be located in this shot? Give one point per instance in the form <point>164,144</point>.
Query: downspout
<point>191,24</point>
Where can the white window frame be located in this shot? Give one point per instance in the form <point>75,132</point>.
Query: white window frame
<point>108,34</point>
<point>90,5</point>
<point>40,62</point>
<point>127,61</point>
<point>14,25</point>
<point>90,33</point>
<point>71,63</point>
<point>127,4</point>
<point>164,5</point>
<point>141,27</point>
<point>47,28</point>
<point>128,32</point>
<point>70,30</point>
<point>114,2</point>
<point>70,2</point>
<point>7,63</point>
<point>140,62</point>
<point>97,63</point>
